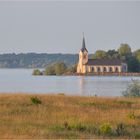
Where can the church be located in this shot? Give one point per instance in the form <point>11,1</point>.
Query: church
<point>104,65</point>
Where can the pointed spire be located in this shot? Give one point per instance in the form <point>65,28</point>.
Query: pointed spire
<point>83,44</point>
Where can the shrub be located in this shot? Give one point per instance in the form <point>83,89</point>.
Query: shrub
<point>56,69</point>
<point>60,68</point>
<point>37,72</point>
<point>133,89</point>
<point>79,127</point>
<point>35,100</point>
<point>105,129</point>
<point>50,70</point>
<point>132,115</point>
<point>120,130</point>
<point>62,94</point>
<point>137,136</point>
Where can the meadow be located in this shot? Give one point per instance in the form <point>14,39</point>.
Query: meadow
<point>68,117</point>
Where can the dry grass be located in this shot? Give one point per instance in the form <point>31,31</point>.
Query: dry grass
<point>67,117</point>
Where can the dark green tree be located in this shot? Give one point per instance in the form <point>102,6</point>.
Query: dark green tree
<point>137,55</point>
<point>112,54</point>
<point>133,64</point>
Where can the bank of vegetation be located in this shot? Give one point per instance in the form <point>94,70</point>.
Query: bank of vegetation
<point>65,117</point>
<point>124,53</point>
<point>59,68</point>
<point>43,60</point>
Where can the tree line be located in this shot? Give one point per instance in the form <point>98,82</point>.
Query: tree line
<point>125,53</point>
<point>58,68</point>
<point>44,60</point>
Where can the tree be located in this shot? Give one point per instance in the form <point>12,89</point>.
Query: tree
<point>133,89</point>
<point>124,50</point>
<point>72,69</point>
<point>60,68</point>
<point>133,64</point>
<point>50,70</point>
<point>100,54</point>
<point>112,54</point>
<point>137,55</point>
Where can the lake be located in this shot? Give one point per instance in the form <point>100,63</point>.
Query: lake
<point>21,80</point>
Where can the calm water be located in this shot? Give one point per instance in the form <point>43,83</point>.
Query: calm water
<point>21,80</point>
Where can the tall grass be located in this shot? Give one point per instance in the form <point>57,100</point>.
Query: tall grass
<point>68,117</point>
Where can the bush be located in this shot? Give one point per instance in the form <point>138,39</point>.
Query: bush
<point>120,130</point>
<point>105,129</point>
<point>35,100</point>
<point>132,115</point>
<point>133,89</point>
<point>137,136</point>
<point>50,70</point>
<point>56,69</point>
<point>60,68</point>
<point>37,72</point>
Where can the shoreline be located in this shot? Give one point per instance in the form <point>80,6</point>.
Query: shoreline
<point>108,74</point>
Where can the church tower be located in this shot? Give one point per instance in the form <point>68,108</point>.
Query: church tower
<point>83,58</point>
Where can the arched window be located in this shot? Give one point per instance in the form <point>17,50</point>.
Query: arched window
<point>104,69</point>
<point>98,69</point>
<point>110,69</point>
<point>116,69</point>
<point>92,69</point>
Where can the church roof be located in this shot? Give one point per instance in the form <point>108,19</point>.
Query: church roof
<point>84,46</point>
<point>105,61</point>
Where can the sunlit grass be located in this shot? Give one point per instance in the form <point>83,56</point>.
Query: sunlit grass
<point>67,117</point>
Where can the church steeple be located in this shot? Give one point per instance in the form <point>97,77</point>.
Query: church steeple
<point>83,58</point>
<point>83,45</point>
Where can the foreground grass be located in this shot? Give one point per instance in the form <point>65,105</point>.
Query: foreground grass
<point>60,116</point>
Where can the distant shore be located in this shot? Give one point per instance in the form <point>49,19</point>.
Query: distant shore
<point>67,117</point>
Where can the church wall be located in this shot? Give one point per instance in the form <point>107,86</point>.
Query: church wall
<point>100,68</point>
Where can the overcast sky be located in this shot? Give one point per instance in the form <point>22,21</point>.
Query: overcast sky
<point>57,27</point>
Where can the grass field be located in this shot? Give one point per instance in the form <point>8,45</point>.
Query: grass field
<point>68,117</point>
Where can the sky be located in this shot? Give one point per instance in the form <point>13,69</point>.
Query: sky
<point>58,26</point>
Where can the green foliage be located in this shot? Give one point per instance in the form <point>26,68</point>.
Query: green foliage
<point>120,130</point>
<point>37,72</point>
<point>49,70</point>
<point>133,64</point>
<point>35,60</point>
<point>35,100</point>
<point>72,69</point>
<point>80,127</point>
<point>133,90</point>
<point>137,136</point>
<point>105,129</point>
<point>137,54</point>
<point>100,54</point>
<point>60,68</point>
<point>62,94</point>
<point>124,50</point>
<point>112,54</point>
<point>56,69</point>
<point>132,115</point>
